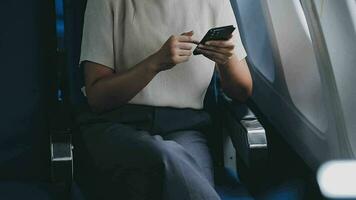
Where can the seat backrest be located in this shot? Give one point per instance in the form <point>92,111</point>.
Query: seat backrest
<point>27,47</point>
<point>73,20</point>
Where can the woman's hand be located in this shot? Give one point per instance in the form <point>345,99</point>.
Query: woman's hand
<point>219,51</point>
<point>176,50</point>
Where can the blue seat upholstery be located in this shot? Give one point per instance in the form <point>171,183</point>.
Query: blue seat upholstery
<point>230,187</point>
<point>291,190</point>
<point>74,18</point>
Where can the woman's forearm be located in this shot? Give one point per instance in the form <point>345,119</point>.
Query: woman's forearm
<point>236,79</point>
<point>120,87</point>
<point>107,89</point>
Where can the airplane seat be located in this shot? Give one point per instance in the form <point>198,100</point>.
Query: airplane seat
<point>19,190</point>
<point>27,49</point>
<point>89,179</point>
<point>92,181</point>
<point>23,134</point>
<point>33,190</point>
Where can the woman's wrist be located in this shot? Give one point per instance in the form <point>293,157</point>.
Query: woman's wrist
<point>153,64</point>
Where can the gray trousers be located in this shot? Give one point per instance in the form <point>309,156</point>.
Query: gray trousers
<point>160,153</point>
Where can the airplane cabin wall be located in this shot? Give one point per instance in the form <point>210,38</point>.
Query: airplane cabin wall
<point>288,87</point>
<point>338,23</point>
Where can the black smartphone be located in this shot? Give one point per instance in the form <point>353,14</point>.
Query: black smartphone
<point>219,33</point>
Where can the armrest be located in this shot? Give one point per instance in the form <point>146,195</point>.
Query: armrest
<point>61,157</point>
<point>247,134</point>
<point>61,149</point>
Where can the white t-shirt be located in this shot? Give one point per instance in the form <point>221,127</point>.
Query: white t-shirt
<point>121,33</point>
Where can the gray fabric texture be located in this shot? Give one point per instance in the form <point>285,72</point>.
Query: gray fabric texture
<point>160,153</point>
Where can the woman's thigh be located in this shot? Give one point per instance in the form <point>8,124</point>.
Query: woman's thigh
<point>113,146</point>
<point>133,158</point>
<point>195,143</point>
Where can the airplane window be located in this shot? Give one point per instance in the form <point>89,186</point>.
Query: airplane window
<point>298,65</point>
<point>254,33</point>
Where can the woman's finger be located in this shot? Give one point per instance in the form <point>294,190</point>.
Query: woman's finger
<point>221,43</point>
<point>226,51</point>
<point>187,39</point>
<point>213,55</point>
<point>185,46</point>
<point>184,52</point>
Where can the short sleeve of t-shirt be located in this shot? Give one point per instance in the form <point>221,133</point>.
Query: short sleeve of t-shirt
<point>227,17</point>
<point>98,41</point>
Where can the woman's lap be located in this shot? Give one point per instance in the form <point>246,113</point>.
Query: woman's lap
<point>113,145</point>
<point>180,158</point>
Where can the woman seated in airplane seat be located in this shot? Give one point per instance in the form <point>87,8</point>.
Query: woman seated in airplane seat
<point>145,92</point>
